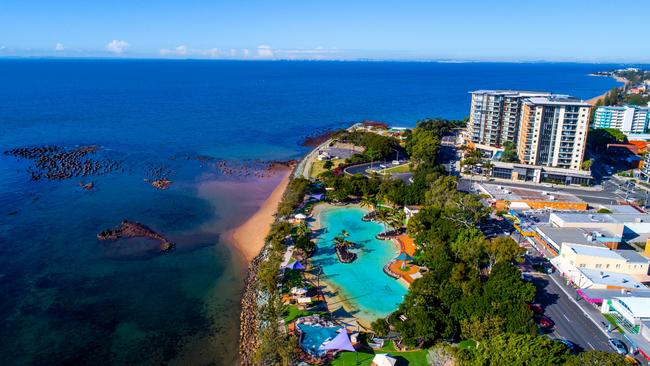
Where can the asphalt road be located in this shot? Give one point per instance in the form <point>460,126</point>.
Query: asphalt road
<point>361,169</point>
<point>570,321</point>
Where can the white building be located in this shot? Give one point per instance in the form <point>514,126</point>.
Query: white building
<point>627,119</point>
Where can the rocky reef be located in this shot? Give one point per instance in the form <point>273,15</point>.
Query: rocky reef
<point>59,163</point>
<point>132,229</point>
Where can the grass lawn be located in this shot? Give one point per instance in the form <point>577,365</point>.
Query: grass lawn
<point>413,358</point>
<point>317,166</point>
<point>292,313</point>
<point>467,344</point>
<point>404,168</point>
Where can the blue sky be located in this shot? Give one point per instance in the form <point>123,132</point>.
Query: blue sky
<point>560,30</point>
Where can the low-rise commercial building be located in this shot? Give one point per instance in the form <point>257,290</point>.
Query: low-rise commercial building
<point>524,199</point>
<point>539,174</point>
<point>623,225</point>
<point>554,237</point>
<point>602,258</point>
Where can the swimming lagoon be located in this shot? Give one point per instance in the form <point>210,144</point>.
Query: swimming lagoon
<point>367,291</point>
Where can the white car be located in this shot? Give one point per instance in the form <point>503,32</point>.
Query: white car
<point>395,162</point>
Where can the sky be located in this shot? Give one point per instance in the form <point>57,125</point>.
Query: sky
<point>488,30</point>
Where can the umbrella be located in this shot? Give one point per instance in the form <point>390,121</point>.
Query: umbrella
<point>300,216</point>
<point>383,359</point>
<point>340,343</point>
<point>404,257</point>
<point>295,265</point>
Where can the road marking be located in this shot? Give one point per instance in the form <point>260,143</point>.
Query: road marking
<point>565,317</point>
<point>590,345</point>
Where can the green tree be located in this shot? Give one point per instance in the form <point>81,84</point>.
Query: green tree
<point>518,349</point>
<point>597,358</point>
<point>509,154</point>
<point>380,327</point>
<point>328,164</point>
<point>502,249</point>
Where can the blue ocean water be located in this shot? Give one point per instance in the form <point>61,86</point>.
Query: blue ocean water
<point>70,299</point>
<point>371,293</point>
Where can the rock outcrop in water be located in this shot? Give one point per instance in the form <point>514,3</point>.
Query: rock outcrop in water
<point>132,229</point>
<point>58,163</point>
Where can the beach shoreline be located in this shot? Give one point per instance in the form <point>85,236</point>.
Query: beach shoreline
<point>248,238</point>
<point>595,99</point>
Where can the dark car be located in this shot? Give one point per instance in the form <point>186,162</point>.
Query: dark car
<point>536,308</point>
<point>544,321</point>
<point>618,346</point>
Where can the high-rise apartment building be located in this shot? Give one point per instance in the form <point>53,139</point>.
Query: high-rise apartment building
<point>553,131</point>
<point>628,119</point>
<point>494,116</point>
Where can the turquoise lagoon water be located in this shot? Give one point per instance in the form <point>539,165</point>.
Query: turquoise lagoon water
<point>362,283</point>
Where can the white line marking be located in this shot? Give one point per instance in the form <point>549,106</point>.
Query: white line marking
<point>590,345</point>
<point>567,318</point>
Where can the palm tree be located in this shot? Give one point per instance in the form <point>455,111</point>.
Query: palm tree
<point>340,239</point>
<point>302,229</point>
<point>368,201</point>
<point>397,219</point>
<point>383,216</point>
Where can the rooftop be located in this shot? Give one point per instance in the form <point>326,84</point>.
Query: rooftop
<point>629,256</point>
<point>611,293</point>
<point>557,100</point>
<point>509,92</point>
<point>611,278</point>
<point>581,236</point>
<point>638,306</point>
<point>612,218</point>
<point>522,194</point>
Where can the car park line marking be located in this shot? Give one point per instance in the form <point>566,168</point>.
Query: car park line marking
<point>567,318</point>
<point>590,345</point>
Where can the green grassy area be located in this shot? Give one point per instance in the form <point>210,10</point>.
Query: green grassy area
<point>413,358</point>
<point>292,313</point>
<point>404,168</point>
<point>614,325</point>
<point>467,344</point>
<point>317,167</point>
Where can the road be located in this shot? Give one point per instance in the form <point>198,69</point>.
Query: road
<point>570,321</point>
<point>362,169</point>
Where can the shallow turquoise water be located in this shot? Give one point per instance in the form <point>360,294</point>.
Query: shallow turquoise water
<point>363,283</point>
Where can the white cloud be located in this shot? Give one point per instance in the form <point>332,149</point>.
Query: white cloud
<point>233,52</point>
<point>264,51</point>
<point>59,47</point>
<point>116,46</point>
<point>246,52</point>
<point>181,50</point>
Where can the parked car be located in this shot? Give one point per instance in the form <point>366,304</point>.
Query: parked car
<point>395,162</point>
<point>536,308</point>
<point>544,321</point>
<point>618,346</point>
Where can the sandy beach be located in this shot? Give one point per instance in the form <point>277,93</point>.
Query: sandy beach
<point>248,238</point>
<point>594,100</point>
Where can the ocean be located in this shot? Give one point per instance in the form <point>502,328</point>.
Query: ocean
<point>208,126</point>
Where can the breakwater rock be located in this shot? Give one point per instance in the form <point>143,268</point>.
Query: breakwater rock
<point>248,318</point>
<point>132,229</point>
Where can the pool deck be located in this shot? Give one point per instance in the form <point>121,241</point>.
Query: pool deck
<point>333,300</point>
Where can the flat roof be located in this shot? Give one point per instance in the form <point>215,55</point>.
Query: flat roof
<point>593,251</point>
<point>573,235</point>
<point>506,92</point>
<point>623,209</point>
<point>611,278</point>
<point>610,293</point>
<point>632,256</point>
<point>557,100</point>
<point>523,194</point>
<point>611,218</point>
<point>638,306</point>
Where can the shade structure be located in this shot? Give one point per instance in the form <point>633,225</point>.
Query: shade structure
<point>383,359</point>
<point>295,265</point>
<point>340,343</point>
<point>316,197</point>
<point>300,216</point>
<point>403,256</point>
<point>298,290</point>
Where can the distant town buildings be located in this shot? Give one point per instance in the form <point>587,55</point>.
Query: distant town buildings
<point>547,129</point>
<point>627,119</point>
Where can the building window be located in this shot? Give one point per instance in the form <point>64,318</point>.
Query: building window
<point>599,265</point>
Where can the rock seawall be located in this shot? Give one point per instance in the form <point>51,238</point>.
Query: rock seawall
<point>249,323</point>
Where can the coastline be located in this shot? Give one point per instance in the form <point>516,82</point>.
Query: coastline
<point>595,99</point>
<point>248,238</point>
